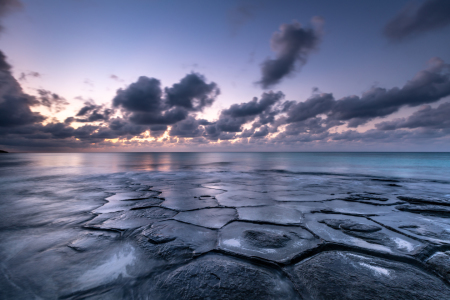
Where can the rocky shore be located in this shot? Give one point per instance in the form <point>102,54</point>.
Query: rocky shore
<point>240,236</point>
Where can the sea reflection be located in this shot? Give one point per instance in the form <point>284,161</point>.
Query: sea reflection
<point>405,165</point>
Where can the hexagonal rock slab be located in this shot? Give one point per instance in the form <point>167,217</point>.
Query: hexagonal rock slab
<point>440,261</point>
<point>172,242</point>
<point>271,214</point>
<point>428,228</point>
<point>131,219</point>
<point>208,217</point>
<point>220,277</point>
<point>271,242</point>
<point>356,232</point>
<point>189,198</point>
<point>241,198</point>
<point>346,276</point>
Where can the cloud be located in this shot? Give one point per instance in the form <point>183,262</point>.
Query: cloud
<point>144,95</point>
<point>414,20</point>
<point>292,45</point>
<point>51,100</point>
<point>143,101</point>
<point>426,117</point>
<point>171,114</point>
<point>192,93</point>
<point>240,15</point>
<point>262,132</point>
<point>23,76</point>
<point>7,6</point>
<point>190,127</point>
<point>232,119</point>
<point>93,113</point>
<point>116,78</point>
<point>428,86</point>
<point>316,105</point>
<point>14,103</point>
<point>143,104</point>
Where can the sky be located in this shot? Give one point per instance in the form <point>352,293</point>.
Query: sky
<point>238,75</point>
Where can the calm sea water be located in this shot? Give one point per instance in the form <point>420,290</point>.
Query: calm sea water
<point>432,166</point>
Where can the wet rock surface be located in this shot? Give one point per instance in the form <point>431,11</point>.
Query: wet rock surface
<point>266,241</point>
<point>224,235</point>
<point>346,275</point>
<point>221,277</point>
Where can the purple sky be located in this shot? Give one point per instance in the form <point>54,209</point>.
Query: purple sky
<point>200,75</point>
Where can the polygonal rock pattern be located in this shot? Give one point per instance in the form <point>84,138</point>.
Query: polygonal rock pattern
<point>189,198</point>
<point>440,262</point>
<point>427,228</point>
<point>346,275</point>
<point>196,238</point>
<point>208,217</point>
<point>132,219</point>
<point>360,232</point>
<point>354,208</point>
<point>244,198</point>
<point>426,210</point>
<point>425,200</point>
<point>271,242</point>
<point>220,277</point>
<point>270,214</point>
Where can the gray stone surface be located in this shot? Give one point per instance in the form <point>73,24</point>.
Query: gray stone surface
<point>271,242</point>
<point>220,277</point>
<point>346,275</point>
<point>221,235</point>
<point>208,217</point>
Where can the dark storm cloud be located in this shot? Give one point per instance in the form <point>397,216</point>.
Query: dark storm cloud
<point>262,132</point>
<point>253,107</point>
<point>192,93</point>
<point>316,105</point>
<point>426,117</point>
<point>292,45</point>
<point>232,119</point>
<point>314,125</point>
<point>122,127</point>
<point>144,104</point>
<point>144,95</point>
<point>166,117</point>
<point>413,20</point>
<point>428,86</point>
<point>51,100</point>
<point>91,112</point>
<point>190,127</point>
<point>14,103</point>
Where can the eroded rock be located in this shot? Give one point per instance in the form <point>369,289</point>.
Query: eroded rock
<point>171,239</point>
<point>440,261</point>
<point>271,242</point>
<point>220,277</point>
<point>346,275</point>
<point>208,217</point>
<point>360,232</point>
<point>271,214</point>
